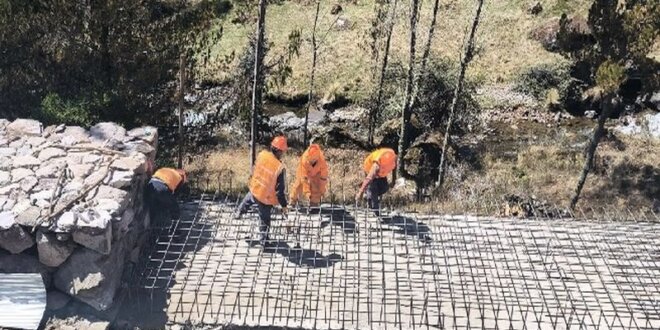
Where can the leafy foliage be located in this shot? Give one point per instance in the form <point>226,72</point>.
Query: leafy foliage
<point>123,52</point>
<point>538,80</point>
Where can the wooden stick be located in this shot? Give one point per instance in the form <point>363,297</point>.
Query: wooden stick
<point>84,192</point>
<point>57,186</point>
<point>90,148</point>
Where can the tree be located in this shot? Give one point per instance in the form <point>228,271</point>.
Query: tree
<point>425,54</point>
<point>257,85</point>
<point>375,108</point>
<point>465,60</point>
<point>622,37</point>
<point>311,75</point>
<point>110,60</point>
<point>404,139</point>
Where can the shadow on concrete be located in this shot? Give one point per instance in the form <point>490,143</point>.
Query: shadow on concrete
<point>299,256</point>
<point>338,216</point>
<point>145,296</point>
<point>408,226</point>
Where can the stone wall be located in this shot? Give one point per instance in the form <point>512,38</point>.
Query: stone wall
<point>72,206</point>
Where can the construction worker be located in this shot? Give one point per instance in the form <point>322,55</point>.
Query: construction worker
<point>377,166</point>
<point>267,185</point>
<point>311,176</point>
<point>161,193</point>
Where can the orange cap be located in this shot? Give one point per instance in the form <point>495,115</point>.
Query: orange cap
<point>313,153</point>
<point>183,175</point>
<point>279,142</point>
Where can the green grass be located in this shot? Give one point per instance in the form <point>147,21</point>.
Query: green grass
<point>505,49</point>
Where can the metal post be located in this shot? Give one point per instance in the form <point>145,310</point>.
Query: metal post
<point>182,79</point>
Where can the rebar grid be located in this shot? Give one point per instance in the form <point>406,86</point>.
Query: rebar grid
<point>343,268</point>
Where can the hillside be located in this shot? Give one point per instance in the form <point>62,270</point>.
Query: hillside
<point>505,48</point>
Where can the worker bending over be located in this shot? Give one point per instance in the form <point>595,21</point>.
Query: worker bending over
<point>377,166</point>
<point>161,193</point>
<point>311,176</point>
<point>266,185</point>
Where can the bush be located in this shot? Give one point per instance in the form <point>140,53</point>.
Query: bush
<point>55,110</point>
<point>538,80</point>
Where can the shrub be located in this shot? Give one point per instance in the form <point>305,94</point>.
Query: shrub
<point>55,110</point>
<point>538,80</point>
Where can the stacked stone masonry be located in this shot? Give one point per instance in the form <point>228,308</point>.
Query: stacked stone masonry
<point>72,205</point>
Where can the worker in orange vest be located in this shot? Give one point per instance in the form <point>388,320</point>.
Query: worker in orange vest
<point>267,185</point>
<point>311,176</point>
<point>377,166</point>
<point>161,193</point>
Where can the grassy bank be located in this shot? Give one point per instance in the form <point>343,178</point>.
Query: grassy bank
<point>344,64</point>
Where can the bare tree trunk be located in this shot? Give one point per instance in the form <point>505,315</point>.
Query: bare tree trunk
<point>182,90</point>
<point>405,112</point>
<point>257,83</point>
<point>425,55</point>
<point>607,104</point>
<point>310,97</point>
<point>373,115</point>
<point>467,57</point>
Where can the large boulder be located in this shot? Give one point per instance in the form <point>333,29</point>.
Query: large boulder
<point>53,252</point>
<point>547,34</point>
<point>92,277</point>
<point>13,237</point>
<point>286,122</point>
<point>94,231</point>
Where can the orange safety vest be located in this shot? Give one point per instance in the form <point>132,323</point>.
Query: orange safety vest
<point>169,176</point>
<point>264,178</point>
<point>312,179</point>
<point>386,164</point>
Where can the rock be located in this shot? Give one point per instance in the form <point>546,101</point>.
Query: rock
<point>5,163</point>
<point>26,161</point>
<point>93,231</point>
<point>140,146</point>
<point>56,300</point>
<point>73,135</point>
<point>120,179</point>
<point>109,205</point>
<point>77,321</point>
<point>23,127</point>
<point>52,252</point>
<point>66,223</point>
<point>654,101</point>
<point>18,143</point>
<point>35,141</point>
<point>24,263</point>
<point>107,131</point>
<point>121,227</point>
<point>546,34</point>
<point>591,114</point>
<point>130,164</point>
<point>107,192</point>
<point>147,133</point>
<point>51,169</point>
<point>46,184</point>
<point>44,194</point>
<point>5,178</point>
<point>50,153</point>
<point>20,173</point>
<point>81,171</point>
<point>91,159</point>
<point>3,123</point>
<point>9,204</point>
<point>535,9</point>
<point>28,183</point>
<point>92,277</point>
<point>287,121</point>
<point>7,189</point>
<point>336,9</point>
<point>13,237</point>
<point>352,114</point>
<point>648,125</point>
<point>7,151</point>
<point>343,24</point>
<point>29,217</point>
<point>24,151</point>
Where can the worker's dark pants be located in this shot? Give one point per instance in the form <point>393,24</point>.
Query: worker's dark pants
<point>264,213</point>
<point>375,189</point>
<point>161,202</point>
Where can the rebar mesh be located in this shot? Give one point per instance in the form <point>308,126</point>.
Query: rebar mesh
<point>343,268</point>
